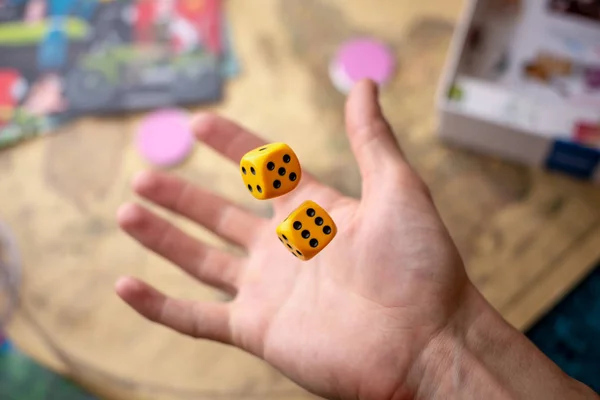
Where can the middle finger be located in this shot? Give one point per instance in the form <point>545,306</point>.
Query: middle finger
<point>213,212</point>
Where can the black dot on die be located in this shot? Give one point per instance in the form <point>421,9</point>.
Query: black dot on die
<point>295,255</point>
<point>277,184</point>
<point>289,246</point>
<point>281,240</point>
<point>281,171</point>
<point>284,237</point>
<point>310,212</point>
<point>263,149</point>
<point>244,170</point>
<point>293,176</point>
<point>253,170</point>
<point>250,188</point>
<point>259,189</point>
<point>271,166</point>
<point>305,234</point>
<point>327,230</point>
<point>298,251</point>
<point>318,220</point>
<point>314,242</point>
<point>297,225</point>
<point>287,158</point>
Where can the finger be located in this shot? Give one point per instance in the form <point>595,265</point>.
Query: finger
<point>196,319</point>
<point>225,136</point>
<point>213,212</point>
<point>234,141</point>
<point>371,137</point>
<point>208,264</point>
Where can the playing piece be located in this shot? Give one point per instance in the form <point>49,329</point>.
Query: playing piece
<point>362,58</point>
<point>165,138</point>
<point>307,230</point>
<point>270,171</point>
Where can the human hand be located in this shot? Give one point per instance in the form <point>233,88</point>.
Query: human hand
<point>355,321</point>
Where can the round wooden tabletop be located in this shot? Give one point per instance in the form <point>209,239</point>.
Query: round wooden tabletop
<point>527,236</point>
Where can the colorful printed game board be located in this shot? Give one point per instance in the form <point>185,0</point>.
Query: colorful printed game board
<point>65,58</point>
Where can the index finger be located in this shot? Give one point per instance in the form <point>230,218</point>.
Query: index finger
<point>225,136</point>
<point>234,141</point>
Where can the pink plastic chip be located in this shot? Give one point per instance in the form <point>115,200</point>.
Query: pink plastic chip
<point>165,138</point>
<point>362,58</point>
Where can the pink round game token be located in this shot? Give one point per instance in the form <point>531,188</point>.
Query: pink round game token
<point>165,137</point>
<point>361,58</point>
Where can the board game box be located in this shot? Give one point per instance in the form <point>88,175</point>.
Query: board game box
<point>523,82</point>
<point>60,59</point>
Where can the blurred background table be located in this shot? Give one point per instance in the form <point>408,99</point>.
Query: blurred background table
<point>527,236</point>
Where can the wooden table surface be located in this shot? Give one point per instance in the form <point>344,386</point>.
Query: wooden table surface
<point>527,236</point>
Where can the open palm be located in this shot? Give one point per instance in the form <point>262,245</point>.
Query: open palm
<point>352,322</point>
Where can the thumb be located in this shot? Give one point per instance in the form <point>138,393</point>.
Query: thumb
<point>371,137</point>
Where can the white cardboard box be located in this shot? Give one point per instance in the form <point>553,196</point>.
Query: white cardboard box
<point>554,122</point>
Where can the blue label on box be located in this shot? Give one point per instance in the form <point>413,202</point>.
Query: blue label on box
<point>574,159</point>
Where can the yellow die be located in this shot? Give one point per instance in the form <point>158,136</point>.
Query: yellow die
<point>307,230</point>
<point>270,171</point>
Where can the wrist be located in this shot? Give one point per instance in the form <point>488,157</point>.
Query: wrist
<point>446,359</point>
<point>479,355</point>
<point>451,360</point>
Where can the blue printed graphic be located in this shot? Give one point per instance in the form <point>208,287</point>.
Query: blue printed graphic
<point>53,50</point>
